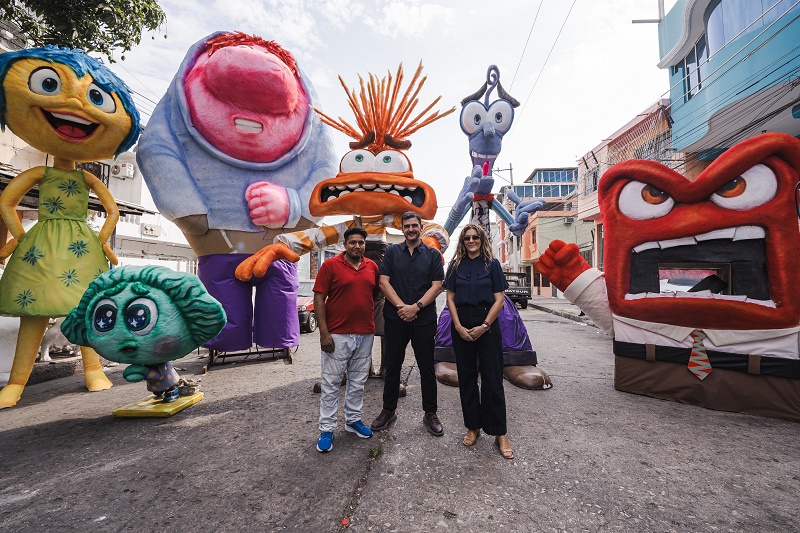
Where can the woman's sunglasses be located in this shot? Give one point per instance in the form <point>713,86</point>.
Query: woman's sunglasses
<point>471,238</point>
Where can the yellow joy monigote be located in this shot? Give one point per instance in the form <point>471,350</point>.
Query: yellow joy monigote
<point>71,106</point>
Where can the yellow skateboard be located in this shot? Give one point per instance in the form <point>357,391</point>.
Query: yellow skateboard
<point>153,407</point>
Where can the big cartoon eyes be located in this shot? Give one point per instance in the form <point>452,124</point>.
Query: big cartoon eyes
<point>100,99</point>
<point>140,316</point>
<point>474,115</point>
<point>641,201</point>
<point>45,81</point>
<point>104,317</point>
<point>754,187</point>
<point>365,161</point>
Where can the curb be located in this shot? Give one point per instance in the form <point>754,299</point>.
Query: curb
<point>563,314</point>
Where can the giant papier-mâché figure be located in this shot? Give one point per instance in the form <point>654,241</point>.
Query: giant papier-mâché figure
<point>375,181</point>
<point>700,290</point>
<point>70,106</point>
<point>231,155</point>
<point>485,123</point>
<point>145,317</point>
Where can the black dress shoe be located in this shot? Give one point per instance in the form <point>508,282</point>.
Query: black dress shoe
<point>383,420</point>
<point>433,424</point>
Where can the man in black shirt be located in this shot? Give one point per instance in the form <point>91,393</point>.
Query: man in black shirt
<point>411,278</point>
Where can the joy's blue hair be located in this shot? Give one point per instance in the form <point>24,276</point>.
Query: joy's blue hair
<point>82,64</point>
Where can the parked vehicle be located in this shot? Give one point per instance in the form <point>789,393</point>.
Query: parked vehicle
<point>305,306</point>
<point>518,291</point>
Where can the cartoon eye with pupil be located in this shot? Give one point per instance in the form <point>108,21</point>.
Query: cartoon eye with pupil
<point>754,187</point>
<point>357,161</point>
<point>733,188</point>
<point>45,81</point>
<point>100,99</point>
<point>391,161</point>
<point>141,316</point>
<point>476,119</point>
<point>503,114</point>
<point>104,317</point>
<point>651,195</point>
<point>642,201</point>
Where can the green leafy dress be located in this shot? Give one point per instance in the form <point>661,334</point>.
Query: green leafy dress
<point>57,259</point>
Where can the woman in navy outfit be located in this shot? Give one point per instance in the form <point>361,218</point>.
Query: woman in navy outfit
<point>475,285</point>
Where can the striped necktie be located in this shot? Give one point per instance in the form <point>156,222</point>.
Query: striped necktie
<point>699,365</point>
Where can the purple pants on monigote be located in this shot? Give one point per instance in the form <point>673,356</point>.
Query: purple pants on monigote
<point>269,319</point>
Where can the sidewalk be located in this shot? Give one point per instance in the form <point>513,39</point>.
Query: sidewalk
<point>559,306</point>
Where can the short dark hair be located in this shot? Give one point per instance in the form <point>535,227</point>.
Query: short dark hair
<point>355,231</point>
<point>411,214</point>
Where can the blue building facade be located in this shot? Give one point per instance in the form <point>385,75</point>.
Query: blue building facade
<point>549,183</point>
<point>734,70</point>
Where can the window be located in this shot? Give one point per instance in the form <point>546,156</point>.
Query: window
<point>590,179</point>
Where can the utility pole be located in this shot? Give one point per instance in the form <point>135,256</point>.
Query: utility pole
<point>513,258</point>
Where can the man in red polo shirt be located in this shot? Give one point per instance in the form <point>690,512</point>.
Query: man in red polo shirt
<point>343,301</point>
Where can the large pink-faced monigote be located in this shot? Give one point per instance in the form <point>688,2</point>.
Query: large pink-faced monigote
<point>247,102</point>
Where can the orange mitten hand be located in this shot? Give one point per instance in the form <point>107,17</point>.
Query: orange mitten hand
<point>561,264</point>
<point>258,263</point>
<point>433,242</point>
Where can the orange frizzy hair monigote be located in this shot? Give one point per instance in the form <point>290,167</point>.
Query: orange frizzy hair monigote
<point>238,38</point>
<point>382,119</point>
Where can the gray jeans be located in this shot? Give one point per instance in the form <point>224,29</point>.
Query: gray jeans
<point>351,353</point>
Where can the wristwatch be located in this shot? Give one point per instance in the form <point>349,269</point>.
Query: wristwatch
<point>419,304</point>
<point>486,326</point>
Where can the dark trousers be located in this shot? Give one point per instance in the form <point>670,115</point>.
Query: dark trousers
<point>398,333</point>
<point>483,408</point>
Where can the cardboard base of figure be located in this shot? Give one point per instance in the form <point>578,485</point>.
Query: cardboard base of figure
<point>152,407</point>
<point>525,377</point>
<point>722,390</point>
<point>519,357</point>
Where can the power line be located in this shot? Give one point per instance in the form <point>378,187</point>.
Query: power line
<point>137,79</point>
<point>545,63</point>
<point>526,45</point>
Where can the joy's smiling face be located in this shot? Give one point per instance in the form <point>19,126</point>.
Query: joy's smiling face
<point>734,230</point>
<point>55,111</point>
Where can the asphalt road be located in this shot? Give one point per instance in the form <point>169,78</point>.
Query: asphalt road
<point>588,458</point>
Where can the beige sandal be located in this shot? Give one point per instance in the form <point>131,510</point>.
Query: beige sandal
<point>504,447</point>
<point>471,437</point>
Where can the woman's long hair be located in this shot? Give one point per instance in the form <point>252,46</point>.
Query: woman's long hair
<point>461,248</point>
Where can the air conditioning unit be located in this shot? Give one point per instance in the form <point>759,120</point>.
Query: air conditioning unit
<point>569,220</point>
<point>122,170</point>
<point>150,230</point>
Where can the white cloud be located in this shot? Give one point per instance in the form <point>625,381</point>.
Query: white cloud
<point>339,13</point>
<point>404,19</point>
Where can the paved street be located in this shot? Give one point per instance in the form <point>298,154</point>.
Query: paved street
<point>588,458</point>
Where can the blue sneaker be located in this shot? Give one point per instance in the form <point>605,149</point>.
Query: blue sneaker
<point>359,429</point>
<point>325,442</point>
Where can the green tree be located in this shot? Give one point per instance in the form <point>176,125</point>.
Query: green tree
<point>94,25</point>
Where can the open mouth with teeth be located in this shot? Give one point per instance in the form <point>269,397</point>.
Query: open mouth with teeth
<point>413,194</point>
<point>372,193</point>
<point>726,264</point>
<point>480,159</point>
<point>248,126</point>
<point>69,126</point>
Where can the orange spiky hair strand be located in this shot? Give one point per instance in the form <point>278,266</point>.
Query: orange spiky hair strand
<point>381,119</point>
